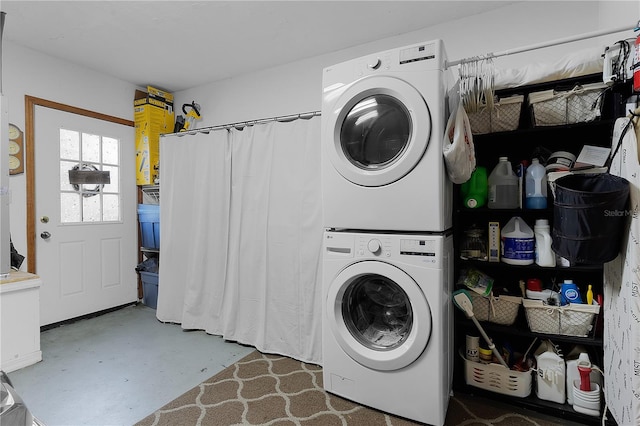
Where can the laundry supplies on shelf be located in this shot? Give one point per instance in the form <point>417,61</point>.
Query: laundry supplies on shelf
<point>518,245</point>
<point>550,379</point>
<point>503,186</point>
<point>544,254</point>
<point>536,186</point>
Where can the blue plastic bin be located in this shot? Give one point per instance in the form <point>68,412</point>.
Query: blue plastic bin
<point>149,289</point>
<point>149,218</point>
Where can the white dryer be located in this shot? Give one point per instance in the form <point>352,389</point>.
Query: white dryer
<point>383,118</point>
<point>387,335</point>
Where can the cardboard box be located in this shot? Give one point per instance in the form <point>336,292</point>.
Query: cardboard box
<point>153,115</point>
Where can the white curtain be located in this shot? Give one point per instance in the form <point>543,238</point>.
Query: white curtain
<point>241,235</point>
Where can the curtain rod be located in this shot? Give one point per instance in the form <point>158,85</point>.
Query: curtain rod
<point>242,124</point>
<point>556,42</point>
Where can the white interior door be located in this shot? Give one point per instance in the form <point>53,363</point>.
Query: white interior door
<point>86,229</point>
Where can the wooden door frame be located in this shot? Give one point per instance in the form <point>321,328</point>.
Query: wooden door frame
<point>30,104</point>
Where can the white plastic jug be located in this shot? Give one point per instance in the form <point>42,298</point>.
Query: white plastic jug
<point>545,256</point>
<point>517,243</point>
<point>535,186</point>
<point>503,186</point>
<point>550,380</point>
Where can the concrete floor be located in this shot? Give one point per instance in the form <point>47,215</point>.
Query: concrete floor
<point>117,368</point>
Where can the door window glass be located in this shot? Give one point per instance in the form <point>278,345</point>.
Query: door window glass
<point>377,312</point>
<point>375,132</point>
<point>95,195</point>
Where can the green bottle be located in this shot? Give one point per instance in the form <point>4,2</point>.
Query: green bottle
<point>474,191</point>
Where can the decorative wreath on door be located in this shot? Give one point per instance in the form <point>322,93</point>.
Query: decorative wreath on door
<point>87,192</point>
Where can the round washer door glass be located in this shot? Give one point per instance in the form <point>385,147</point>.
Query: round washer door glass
<point>377,312</point>
<point>375,132</point>
<point>378,315</point>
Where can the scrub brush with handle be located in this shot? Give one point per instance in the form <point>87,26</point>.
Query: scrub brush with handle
<point>463,302</point>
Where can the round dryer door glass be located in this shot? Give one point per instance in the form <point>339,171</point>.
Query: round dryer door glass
<point>375,132</point>
<point>377,312</point>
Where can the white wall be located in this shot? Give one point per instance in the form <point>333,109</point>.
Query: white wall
<point>296,87</point>
<point>26,72</point>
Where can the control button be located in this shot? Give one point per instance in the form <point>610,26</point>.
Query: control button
<point>374,246</point>
<point>375,65</point>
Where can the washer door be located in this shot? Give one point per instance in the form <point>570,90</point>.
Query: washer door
<point>379,315</point>
<point>380,128</point>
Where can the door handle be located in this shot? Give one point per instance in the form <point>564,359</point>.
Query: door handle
<point>45,235</point>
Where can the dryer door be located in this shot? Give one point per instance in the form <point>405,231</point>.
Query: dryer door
<point>380,128</point>
<point>379,315</point>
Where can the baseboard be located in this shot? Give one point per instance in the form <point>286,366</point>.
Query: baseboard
<point>23,361</point>
<point>92,315</point>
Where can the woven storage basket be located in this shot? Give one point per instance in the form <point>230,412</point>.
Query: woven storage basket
<point>497,378</point>
<point>569,320</point>
<point>500,310</point>
<point>503,117</point>
<point>581,104</point>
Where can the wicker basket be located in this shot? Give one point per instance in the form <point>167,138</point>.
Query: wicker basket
<point>569,320</point>
<point>581,104</point>
<point>500,310</point>
<point>503,117</point>
<point>497,378</point>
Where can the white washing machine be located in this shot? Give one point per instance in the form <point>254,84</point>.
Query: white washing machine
<point>387,330</point>
<point>383,119</point>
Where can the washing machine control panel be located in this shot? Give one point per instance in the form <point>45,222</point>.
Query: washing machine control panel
<point>418,247</point>
<point>373,245</point>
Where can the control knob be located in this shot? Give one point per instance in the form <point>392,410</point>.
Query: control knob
<point>375,64</point>
<point>374,246</point>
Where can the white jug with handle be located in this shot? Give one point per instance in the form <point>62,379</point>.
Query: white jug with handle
<point>551,374</point>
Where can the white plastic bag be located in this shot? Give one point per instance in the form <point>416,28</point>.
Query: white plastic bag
<point>458,149</point>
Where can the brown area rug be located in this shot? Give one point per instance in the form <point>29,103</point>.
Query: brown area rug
<point>263,389</point>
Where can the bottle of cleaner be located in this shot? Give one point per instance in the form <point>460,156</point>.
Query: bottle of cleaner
<point>517,243</point>
<point>536,186</point>
<point>545,256</point>
<point>569,293</point>
<point>503,186</point>
<point>474,191</point>
<point>550,380</point>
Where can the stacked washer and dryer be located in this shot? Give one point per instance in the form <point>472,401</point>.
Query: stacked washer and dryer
<point>387,253</point>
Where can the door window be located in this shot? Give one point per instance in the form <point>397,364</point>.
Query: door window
<point>375,132</point>
<point>377,312</point>
<point>89,178</point>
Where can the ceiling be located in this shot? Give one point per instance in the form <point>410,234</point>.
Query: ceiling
<point>176,45</point>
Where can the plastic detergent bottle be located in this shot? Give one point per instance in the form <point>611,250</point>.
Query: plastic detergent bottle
<point>550,379</point>
<point>569,293</point>
<point>503,186</point>
<point>545,256</point>
<point>474,191</point>
<point>517,243</point>
<point>536,186</point>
